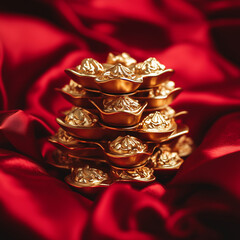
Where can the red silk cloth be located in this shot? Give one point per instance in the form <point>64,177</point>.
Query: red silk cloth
<point>199,39</point>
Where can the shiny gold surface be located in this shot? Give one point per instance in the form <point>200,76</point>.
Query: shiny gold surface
<point>74,89</point>
<point>123,58</point>
<point>63,137</point>
<point>141,173</point>
<point>149,66</point>
<point>121,128</point>
<point>118,80</point>
<point>121,118</point>
<point>163,90</point>
<point>120,104</point>
<point>85,73</point>
<point>184,146</point>
<point>96,132</point>
<point>126,145</point>
<point>90,66</point>
<point>86,176</point>
<point>165,159</point>
<point>81,117</point>
<point>155,122</point>
<point>78,96</point>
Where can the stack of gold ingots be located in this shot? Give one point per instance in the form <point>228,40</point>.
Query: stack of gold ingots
<point>121,127</point>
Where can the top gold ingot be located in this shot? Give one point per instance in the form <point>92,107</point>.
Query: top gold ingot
<point>118,80</point>
<point>81,117</point>
<point>121,104</point>
<point>155,122</point>
<point>90,66</point>
<point>116,72</point>
<point>127,145</point>
<point>123,58</point>
<point>149,66</point>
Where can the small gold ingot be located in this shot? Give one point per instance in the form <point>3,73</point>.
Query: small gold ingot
<point>63,137</point>
<point>95,132</point>
<point>120,118</point>
<point>86,176</point>
<point>149,66</point>
<point>127,145</point>
<point>165,159</point>
<point>153,72</point>
<point>155,122</point>
<point>142,173</point>
<point>85,73</point>
<point>129,154</point>
<point>77,95</point>
<point>123,58</point>
<point>81,117</point>
<point>163,90</point>
<point>184,146</point>
<point>121,104</point>
<point>74,89</point>
<point>156,128</point>
<point>118,80</point>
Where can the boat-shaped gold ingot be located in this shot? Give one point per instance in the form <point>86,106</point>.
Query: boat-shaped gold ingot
<point>96,132</point>
<point>128,151</point>
<point>118,80</point>
<point>86,80</point>
<point>156,127</point>
<point>87,176</point>
<point>158,101</point>
<point>141,174</point>
<point>165,159</point>
<point>153,72</point>
<point>86,73</point>
<point>156,136</point>
<point>120,119</point>
<point>119,85</point>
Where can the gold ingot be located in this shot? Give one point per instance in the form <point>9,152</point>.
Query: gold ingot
<point>78,96</point>
<point>153,73</point>
<point>119,119</point>
<point>118,80</point>
<point>86,73</point>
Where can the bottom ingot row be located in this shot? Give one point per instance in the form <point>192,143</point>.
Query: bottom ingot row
<point>90,172</point>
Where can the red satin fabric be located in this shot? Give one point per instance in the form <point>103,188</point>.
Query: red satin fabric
<point>199,39</point>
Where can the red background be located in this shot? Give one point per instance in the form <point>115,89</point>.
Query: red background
<point>198,38</point>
